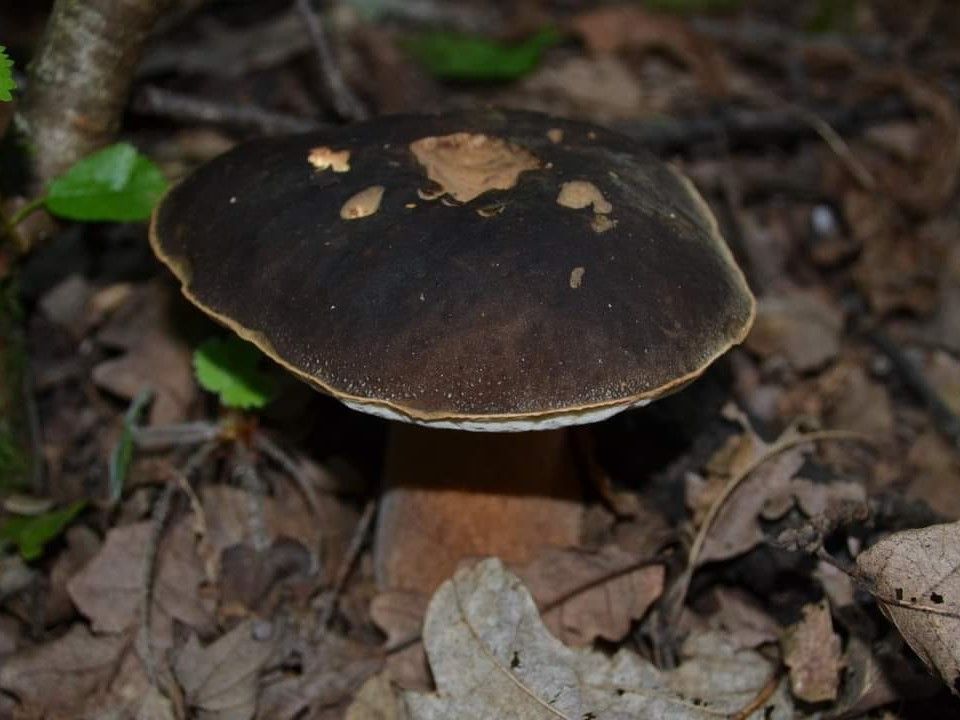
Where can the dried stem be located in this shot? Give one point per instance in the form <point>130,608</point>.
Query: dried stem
<point>345,102</point>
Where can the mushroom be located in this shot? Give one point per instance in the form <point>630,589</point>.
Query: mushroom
<point>482,279</point>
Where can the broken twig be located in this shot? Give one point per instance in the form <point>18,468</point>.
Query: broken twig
<point>345,102</point>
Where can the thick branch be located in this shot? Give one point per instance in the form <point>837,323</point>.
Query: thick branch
<point>81,75</point>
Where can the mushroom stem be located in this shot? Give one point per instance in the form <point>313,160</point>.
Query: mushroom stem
<point>450,495</point>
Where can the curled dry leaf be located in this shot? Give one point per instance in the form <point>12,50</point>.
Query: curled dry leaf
<point>492,657</point>
<point>584,596</point>
<point>58,678</point>
<point>811,649</point>
<point>110,587</point>
<point>221,680</point>
<point>921,569</point>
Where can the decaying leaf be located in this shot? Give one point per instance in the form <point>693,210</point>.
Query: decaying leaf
<point>492,657</point>
<point>811,649</point>
<point>630,27</point>
<point>584,596</point>
<point>109,589</point>
<point>377,700</point>
<point>767,492</point>
<point>799,325</point>
<point>57,679</point>
<point>221,680</point>
<point>331,672</point>
<point>921,568</point>
<point>400,615</point>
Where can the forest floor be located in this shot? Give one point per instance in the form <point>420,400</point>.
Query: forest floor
<point>826,139</point>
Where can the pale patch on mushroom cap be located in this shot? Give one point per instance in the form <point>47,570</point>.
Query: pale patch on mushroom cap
<point>466,165</point>
<point>323,157</point>
<point>363,204</point>
<point>576,277</point>
<point>555,135</point>
<point>578,194</point>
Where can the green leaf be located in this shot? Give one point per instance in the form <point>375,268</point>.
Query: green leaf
<point>230,368</point>
<point>7,83</point>
<point>454,56</point>
<point>122,454</point>
<point>116,184</point>
<point>31,533</point>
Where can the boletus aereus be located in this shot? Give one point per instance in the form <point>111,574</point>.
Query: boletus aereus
<point>483,279</point>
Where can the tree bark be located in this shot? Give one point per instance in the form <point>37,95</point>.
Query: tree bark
<point>80,77</point>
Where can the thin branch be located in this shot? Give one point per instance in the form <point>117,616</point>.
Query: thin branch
<point>345,102</point>
<point>349,560</point>
<point>766,692</point>
<point>158,102</point>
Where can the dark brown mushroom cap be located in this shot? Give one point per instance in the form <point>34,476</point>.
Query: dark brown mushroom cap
<point>516,309</point>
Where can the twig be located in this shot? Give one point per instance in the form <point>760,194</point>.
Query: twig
<point>246,473</point>
<point>746,128</point>
<point>269,448</point>
<point>38,480</point>
<point>766,692</point>
<point>161,512</point>
<point>349,560</point>
<point>597,581</point>
<point>839,146</point>
<point>345,102</point>
<point>679,591</point>
<point>178,435</point>
<point>946,421</point>
<point>155,101</point>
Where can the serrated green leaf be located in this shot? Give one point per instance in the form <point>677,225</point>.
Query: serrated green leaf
<point>455,56</point>
<point>116,184</point>
<point>229,367</point>
<point>32,533</point>
<point>7,83</point>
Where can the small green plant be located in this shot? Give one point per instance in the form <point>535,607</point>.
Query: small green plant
<point>231,368</point>
<point>116,184</point>
<point>7,83</point>
<point>31,533</point>
<point>455,56</point>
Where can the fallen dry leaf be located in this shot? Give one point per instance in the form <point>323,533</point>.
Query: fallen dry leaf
<point>234,516</point>
<point>588,595</point>
<point>331,672</point>
<point>492,657</point>
<point>377,700</point>
<point>922,569</point>
<point>761,479</point>
<point>400,615</point>
<point>740,618</point>
<point>220,681</point>
<point>812,652</point>
<point>933,467</point>
<point>629,27</point>
<point>799,325</point>
<point>110,587</point>
<point>155,356</point>
<point>58,678</point>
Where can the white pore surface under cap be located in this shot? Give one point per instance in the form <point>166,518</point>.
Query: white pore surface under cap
<point>549,422</point>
